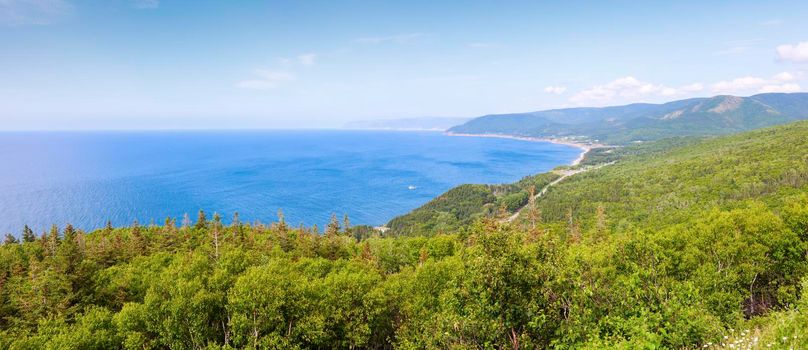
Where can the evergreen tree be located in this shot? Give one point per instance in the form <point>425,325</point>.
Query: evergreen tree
<point>138,241</point>
<point>53,240</point>
<point>333,226</point>
<point>169,227</point>
<point>10,239</point>
<point>28,234</point>
<point>235,227</point>
<point>282,226</point>
<point>68,252</point>
<point>346,225</point>
<point>69,233</point>
<point>201,220</point>
<point>217,224</point>
<point>236,220</point>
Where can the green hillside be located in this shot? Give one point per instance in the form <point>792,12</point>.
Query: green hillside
<point>679,244</point>
<point>644,122</point>
<point>461,205</point>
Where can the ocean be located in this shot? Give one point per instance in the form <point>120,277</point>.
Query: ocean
<point>87,178</point>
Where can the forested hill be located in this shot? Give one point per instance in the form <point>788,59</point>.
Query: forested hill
<point>644,122</point>
<point>658,183</point>
<point>679,244</point>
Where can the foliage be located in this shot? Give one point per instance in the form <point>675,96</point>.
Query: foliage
<point>612,264</point>
<point>463,204</point>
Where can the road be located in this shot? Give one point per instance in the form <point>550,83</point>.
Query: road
<point>564,174</point>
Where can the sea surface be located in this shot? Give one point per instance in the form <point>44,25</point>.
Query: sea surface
<point>87,178</point>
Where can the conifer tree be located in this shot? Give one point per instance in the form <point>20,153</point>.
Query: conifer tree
<point>10,239</point>
<point>28,234</point>
<point>69,233</point>
<point>201,220</point>
<point>236,227</point>
<point>217,223</point>
<point>333,226</point>
<point>367,253</point>
<point>169,226</point>
<point>138,241</point>
<point>236,220</point>
<point>346,225</point>
<point>282,226</point>
<point>68,251</point>
<point>53,240</point>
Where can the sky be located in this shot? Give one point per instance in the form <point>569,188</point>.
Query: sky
<point>163,64</point>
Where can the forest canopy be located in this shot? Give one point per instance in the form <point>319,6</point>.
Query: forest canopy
<point>680,244</point>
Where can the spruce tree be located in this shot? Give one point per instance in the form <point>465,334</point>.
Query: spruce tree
<point>138,241</point>
<point>68,251</point>
<point>69,233</point>
<point>282,226</point>
<point>346,225</point>
<point>10,239</point>
<point>28,234</point>
<point>53,240</point>
<point>217,224</point>
<point>201,220</point>
<point>333,226</point>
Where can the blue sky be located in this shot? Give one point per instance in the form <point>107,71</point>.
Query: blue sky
<point>156,64</point>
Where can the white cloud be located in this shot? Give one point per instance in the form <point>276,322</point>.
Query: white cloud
<point>781,82</point>
<point>266,79</point>
<point>556,90</point>
<point>738,85</point>
<point>398,39</point>
<point>629,88</point>
<point>793,53</point>
<point>789,87</point>
<point>784,76</point>
<point>306,59</point>
<point>32,12</point>
<point>146,4</point>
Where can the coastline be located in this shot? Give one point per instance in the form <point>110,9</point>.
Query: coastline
<point>585,148</point>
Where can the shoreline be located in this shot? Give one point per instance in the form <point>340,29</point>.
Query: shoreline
<point>585,148</point>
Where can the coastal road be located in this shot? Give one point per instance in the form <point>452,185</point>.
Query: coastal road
<point>564,174</point>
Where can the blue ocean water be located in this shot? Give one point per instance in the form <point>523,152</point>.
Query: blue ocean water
<point>87,178</point>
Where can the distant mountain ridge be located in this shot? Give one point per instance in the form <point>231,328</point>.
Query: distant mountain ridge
<point>717,115</point>
<point>422,123</point>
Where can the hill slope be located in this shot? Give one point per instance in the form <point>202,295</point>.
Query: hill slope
<point>659,182</point>
<point>672,247</point>
<point>623,124</point>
